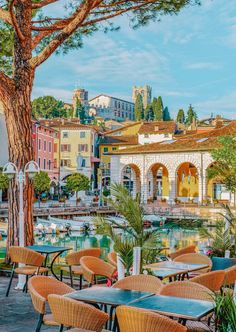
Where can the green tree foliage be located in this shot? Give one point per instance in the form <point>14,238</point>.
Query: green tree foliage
<point>80,111</point>
<point>148,113</point>
<point>131,210</point>
<point>166,114</point>
<point>157,105</point>
<point>41,182</point>
<point>48,107</point>
<point>4,181</point>
<point>180,116</point>
<point>77,182</point>
<point>191,115</point>
<point>138,108</point>
<point>224,168</point>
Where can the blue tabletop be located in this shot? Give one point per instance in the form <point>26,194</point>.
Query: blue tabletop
<point>107,295</point>
<point>167,273</point>
<point>175,306</point>
<point>45,249</point>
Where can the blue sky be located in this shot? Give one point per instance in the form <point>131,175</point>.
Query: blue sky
<point>189,58</point>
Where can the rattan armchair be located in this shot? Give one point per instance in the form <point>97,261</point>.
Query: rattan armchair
<point>112,258</point>
<point>93,266</point>
<point>187,250</point>
<point>141,283</point>
<point>73,262</point>
<point>40,288</point>
<point>31,259</point>
<point>139,320</point>
<point>195,259</point>
<point>72,313</point>
<point>230,276</point>
<point>212,280</point>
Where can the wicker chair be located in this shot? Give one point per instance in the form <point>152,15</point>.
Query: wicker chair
<point>139,320</point>
<point>141,282</point>
<point>212,280</point>
<point>187,250</point>
<point>187,289</point>
<point>230,276</point>
<point>33,264</point>
<point>112,258</point>
<point>93,266</point>
<point>195,259</point>
<point>73,262</point>
<point>40,288</point>
<point>72,313</point>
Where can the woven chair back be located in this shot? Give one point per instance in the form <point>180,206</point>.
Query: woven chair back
<point>96,266</point>
<point>25,256</point>
<point>141,283</point>
<point>139,320</point>
<point>112,258</point>
<point>73,313</point>
<point>195,259</point>
<point>187,250</point>
<point>74,257</point>
<point>212,280</point>
<point>230,276</point>
<point>187,289</point>
<point>40,287</point>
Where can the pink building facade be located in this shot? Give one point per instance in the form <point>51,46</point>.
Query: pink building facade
<point>43,141</point>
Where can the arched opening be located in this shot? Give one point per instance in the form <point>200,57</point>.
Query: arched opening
<point>158,182</point>
<point>131,179</point>
<point>187,182</point>
<point>216,190</point>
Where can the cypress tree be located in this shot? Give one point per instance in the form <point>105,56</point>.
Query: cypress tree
<point>138,108</point>
<point>180,116</point>
<point>158,108</point>
<point>191,115</point>
<point>166,114</point>
<point>148,113</point>
<point>80,111</point>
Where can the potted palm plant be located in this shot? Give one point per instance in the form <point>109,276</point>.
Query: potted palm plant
<point>225,312</point>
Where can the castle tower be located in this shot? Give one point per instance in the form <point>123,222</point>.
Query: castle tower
<point>82,95</point>
<point>146,93</point>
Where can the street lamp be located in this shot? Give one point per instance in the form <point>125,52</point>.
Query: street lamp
<point>11,171</point>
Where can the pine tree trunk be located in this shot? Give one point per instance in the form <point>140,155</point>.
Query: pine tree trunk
<point>17,107</point>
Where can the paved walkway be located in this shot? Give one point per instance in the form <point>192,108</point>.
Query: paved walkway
<point>16,311</point>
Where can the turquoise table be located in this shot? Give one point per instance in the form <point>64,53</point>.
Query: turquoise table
<point>186,309</point>
<point>48,250</point>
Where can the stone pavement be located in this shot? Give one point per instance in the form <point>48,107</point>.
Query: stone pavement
<point>16,311</point>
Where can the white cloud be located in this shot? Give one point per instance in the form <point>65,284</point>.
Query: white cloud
<point>60,94</point>
<point>203,65</point>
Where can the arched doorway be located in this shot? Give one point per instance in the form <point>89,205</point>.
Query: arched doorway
<point>130,178</point>
<point>158,182</point>
<point>187,182</point>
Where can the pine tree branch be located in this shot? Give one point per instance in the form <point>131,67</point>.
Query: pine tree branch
<point>43,4</point>
<point>5,16</point>
<point>14,21</point>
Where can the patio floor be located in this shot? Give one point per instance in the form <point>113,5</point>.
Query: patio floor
<point>16,311</point>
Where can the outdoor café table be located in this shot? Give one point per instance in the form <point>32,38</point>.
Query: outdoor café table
<point>177,265</point>
<point>49,250</point>
<point>171,274</point>
<point>177,307</point>
<point>108,296</point>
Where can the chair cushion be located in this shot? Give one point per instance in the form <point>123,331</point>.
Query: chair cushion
<point>75,269</point>
<point>29,270</point>
<point>48,319</point>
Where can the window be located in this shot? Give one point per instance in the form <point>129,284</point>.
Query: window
<point>92,148</point>
<point>83,147</point>
<point>50,146</point>
<point>45,145</point>
<point>39,161</point>
<point>105,149</point>
<point>65,148</point>
<point>83,163</point>
<point>39,144</point>
<point>44,163</point>
<point>55,163</point>
<point>114,148</point>
<point>65,162</point>
<point>123,106</point>
<point>49,164</point>
<point>146,135</point>
<point>55,147</point>
<point>126,115</point>
<point>82,134</point>
<point>122,114</point>
<point>115,103</point>
<point>65,134</point>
